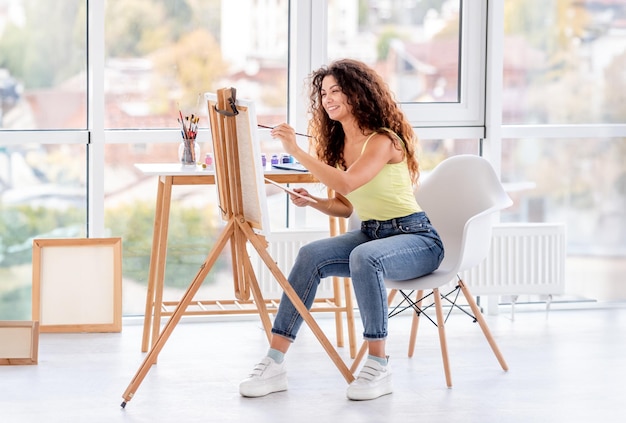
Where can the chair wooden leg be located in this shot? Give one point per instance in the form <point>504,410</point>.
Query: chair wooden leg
<point>415,323</point>
<point>442,337</point>
<point>483,325</point>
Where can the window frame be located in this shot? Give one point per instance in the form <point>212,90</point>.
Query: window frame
<point>435,119</point>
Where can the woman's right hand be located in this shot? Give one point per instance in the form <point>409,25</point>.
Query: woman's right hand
<point>287,136</point>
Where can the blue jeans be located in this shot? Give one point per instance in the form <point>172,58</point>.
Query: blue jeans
<point>398,249</point>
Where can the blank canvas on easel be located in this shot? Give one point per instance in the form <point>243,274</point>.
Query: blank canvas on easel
<point>249,156</point>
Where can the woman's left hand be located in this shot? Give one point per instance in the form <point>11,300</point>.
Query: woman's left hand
<point>287,136</point>
<point>299,201</point>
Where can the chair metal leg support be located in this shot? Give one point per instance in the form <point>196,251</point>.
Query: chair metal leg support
<point>414,305</point>
<point>442,338</point>
<point>483,325</point>
<point>400,307</point>
<point>454,304</point>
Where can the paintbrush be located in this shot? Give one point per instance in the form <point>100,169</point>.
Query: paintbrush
<point>272,127</point>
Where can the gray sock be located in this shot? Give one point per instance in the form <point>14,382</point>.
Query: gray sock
<point>276,355</point>
<point>382,360</point>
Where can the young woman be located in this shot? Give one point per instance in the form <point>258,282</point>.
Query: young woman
<point>365,152</point>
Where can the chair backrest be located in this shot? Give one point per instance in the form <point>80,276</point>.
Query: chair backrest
<point>461,196</point>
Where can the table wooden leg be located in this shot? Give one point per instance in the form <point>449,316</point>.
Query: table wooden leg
<point>339,226</point>
<point>161,257</point>
<point>347,289</point>
<point>334,230</point>
<point>154,254</point>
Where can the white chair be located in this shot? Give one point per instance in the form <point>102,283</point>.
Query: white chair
<point>461,197</point>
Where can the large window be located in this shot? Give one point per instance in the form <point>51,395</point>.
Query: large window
<point>43,122</point>
<point>564,62</point>
<point>161,55</point>
<point>414,45</point>
<point>89,88</point>
<point>581,182</point>
<point>564,111</point>
<point>428,51</point>
<point>43,79</point>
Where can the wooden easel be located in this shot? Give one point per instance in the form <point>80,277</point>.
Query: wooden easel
<point>238,230</point>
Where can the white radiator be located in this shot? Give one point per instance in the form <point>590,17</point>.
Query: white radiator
<point>283,248</point>
<point>525,259</point>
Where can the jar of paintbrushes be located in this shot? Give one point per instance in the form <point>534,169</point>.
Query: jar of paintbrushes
<point>189,150</point>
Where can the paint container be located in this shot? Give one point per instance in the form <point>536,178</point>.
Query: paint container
<point>208,161</point>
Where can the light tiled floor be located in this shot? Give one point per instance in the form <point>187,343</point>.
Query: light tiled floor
<point>565,366</point>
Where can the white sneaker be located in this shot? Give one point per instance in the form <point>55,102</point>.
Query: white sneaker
<point>373,381</point>
<point>268,376</point>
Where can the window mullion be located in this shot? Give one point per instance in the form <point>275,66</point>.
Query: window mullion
<point>95,101</point>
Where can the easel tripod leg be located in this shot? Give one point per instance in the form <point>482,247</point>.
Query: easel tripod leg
<point>154,256</point>
<point>178,313</point>
<point>258,298</point>
<point>298,304</point>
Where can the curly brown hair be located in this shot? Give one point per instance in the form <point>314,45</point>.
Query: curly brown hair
<point>373,106</point>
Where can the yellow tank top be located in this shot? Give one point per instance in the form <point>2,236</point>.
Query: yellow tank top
<point>387,196</point>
